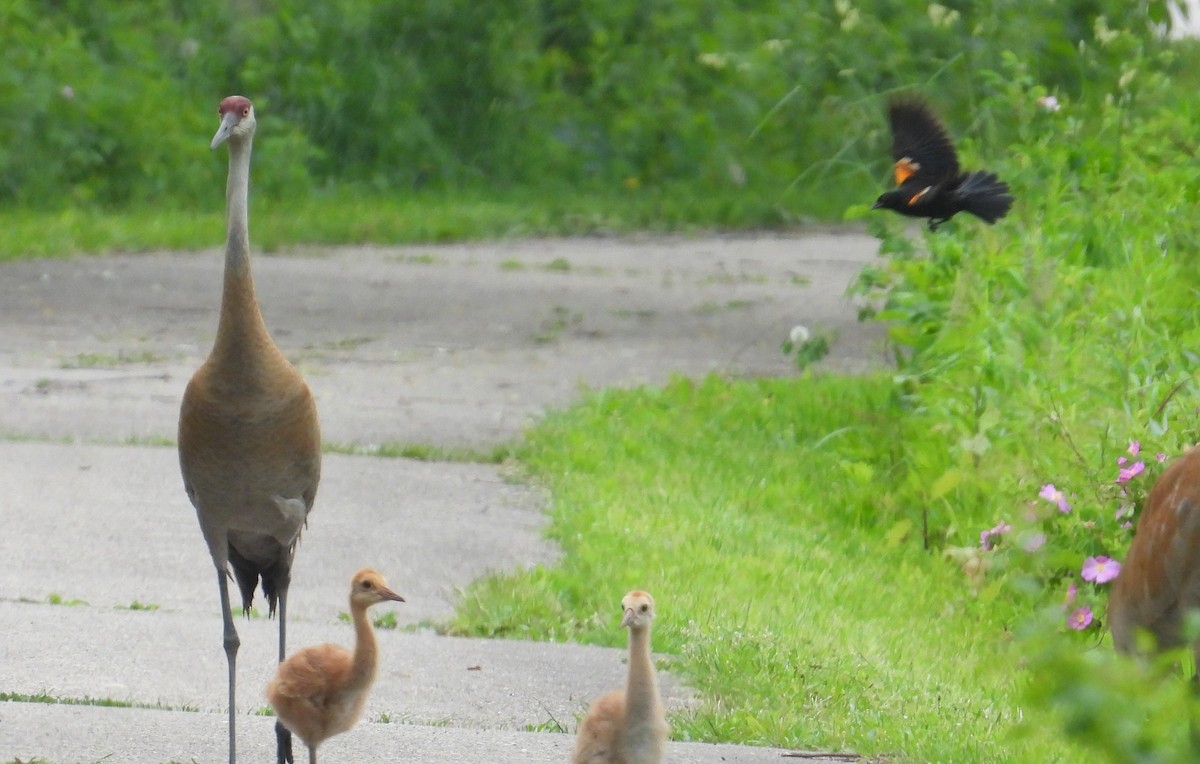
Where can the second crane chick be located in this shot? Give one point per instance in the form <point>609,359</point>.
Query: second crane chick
<point>320,691</point>
<point>628,726</point>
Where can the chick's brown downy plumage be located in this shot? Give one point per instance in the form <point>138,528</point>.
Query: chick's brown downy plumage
<point>929,183</point>
<point>627,726</point>
<point>320,691</point>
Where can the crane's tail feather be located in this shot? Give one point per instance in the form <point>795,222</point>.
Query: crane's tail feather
<point>274,576</point>
<point>985,196</point>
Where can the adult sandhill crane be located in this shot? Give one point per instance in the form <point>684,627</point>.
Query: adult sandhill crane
<point>627,726</point>
<point>249,442</point>
<point>320,691</point>
<point>1160,578</point>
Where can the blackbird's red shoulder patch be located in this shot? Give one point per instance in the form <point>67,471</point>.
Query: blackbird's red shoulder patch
<point>905,169</point>
<point>917,196</point>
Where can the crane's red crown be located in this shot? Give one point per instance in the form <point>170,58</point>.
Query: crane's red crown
<point>236,103</point>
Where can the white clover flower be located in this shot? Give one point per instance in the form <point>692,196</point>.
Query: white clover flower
<point>67,92</point>
<point>1049,103</point>
<point>713,60</point>
<point>799,334</point>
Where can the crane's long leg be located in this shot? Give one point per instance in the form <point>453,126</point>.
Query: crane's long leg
<point>283,592</point>
<point>312,756</point>
<point>231,647</point>
<point>283,741</point>
<point>283,736</point>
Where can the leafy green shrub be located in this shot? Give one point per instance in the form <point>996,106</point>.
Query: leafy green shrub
<point>1049,368</point>
<point>109,103</point>
<point>107,106</point>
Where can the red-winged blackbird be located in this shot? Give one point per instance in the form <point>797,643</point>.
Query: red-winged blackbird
<point>929,183</point>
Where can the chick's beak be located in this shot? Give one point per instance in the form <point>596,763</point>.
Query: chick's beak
<point>387,594</point>
<point>627,621</point>
<point>225,130</point>
<point>876,205</point>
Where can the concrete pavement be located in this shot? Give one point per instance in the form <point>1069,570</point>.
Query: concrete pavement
<point>457,346</point>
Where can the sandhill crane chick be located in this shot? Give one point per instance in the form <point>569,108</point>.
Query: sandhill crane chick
<point>320,691</point>
<point>628,726</point>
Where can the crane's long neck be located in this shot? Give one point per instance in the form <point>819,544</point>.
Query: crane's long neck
<point>241,331</point>
<point>641,691</point>
<point>366,649</point>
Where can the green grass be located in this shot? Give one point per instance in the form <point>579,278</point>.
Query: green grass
<point>426,452</point>
<point>385,620</point>
<point>553,326</point>
<point>758,513</point>
<point>58,599</point>
<point>94,360</point>
<point>137,605</point>
<point>21,697</point>
<point>357,216</point>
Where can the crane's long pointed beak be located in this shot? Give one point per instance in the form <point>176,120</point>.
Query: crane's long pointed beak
<point>225,130</point>
<point>627,621</point>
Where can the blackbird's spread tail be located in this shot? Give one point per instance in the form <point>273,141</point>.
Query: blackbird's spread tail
<point>985,196</point>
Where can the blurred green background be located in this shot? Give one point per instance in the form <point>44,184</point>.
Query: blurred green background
<point>763,113</point>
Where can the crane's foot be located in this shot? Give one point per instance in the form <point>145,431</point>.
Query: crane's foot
<point>935,222</point>
<point>283,737</point>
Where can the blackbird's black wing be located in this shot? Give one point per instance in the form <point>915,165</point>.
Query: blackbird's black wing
<point>921,148</point>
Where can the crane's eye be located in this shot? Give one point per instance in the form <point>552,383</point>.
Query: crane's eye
<point>366,584</point>
<point>645,607</point>
<point>246,112</point>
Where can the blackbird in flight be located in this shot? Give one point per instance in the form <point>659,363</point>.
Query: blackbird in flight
<point>929,183</point>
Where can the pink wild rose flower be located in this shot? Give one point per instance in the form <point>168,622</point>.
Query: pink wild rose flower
<point>1129,473</point>
<point>989,538</point>
<point>1055,496</point>
<point>1080,618</point>
<point>1100,569</point>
